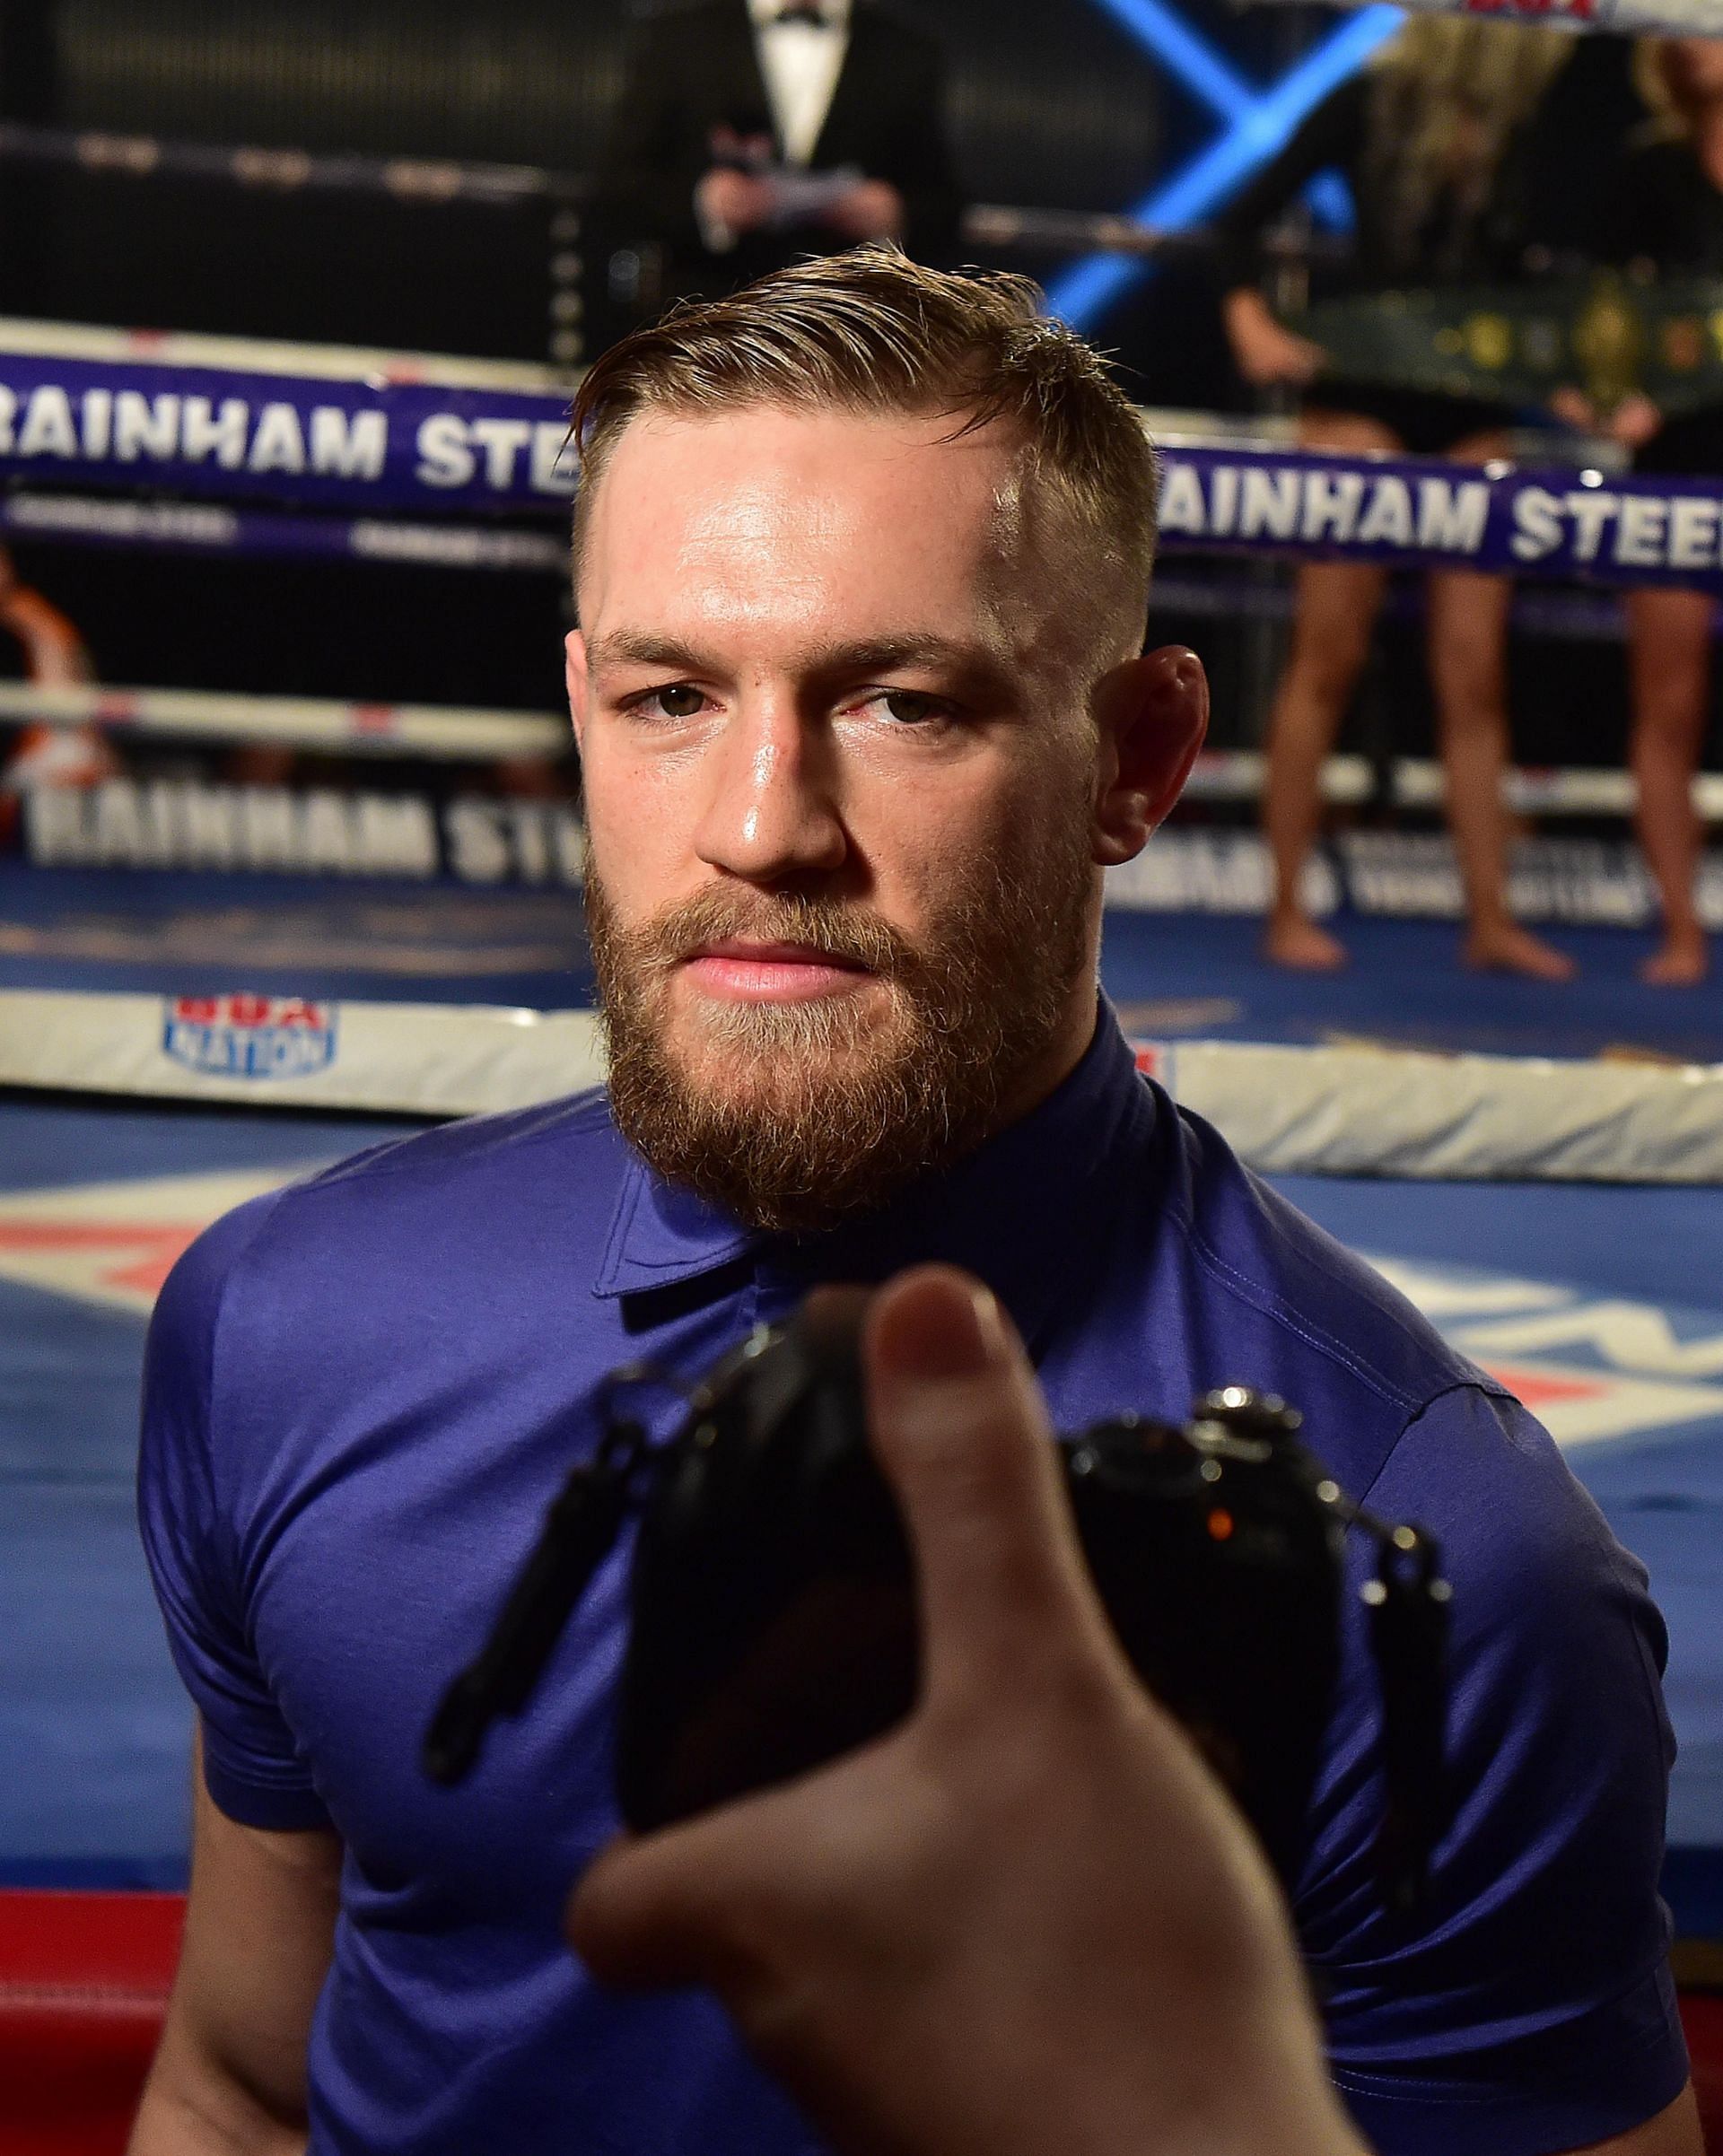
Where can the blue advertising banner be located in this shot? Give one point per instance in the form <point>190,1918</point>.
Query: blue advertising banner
<point>1421,513</point>
<point>317,441</point>
<point>381,447</point>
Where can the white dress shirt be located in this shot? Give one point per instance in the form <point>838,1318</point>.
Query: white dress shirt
<point>801,63</point>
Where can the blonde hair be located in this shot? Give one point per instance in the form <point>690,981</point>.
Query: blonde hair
<point>1448,94</point>
<point>871,332</point>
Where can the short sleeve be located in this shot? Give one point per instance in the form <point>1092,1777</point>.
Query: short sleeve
<point>1530,2009</point>
<point>253,1766</point>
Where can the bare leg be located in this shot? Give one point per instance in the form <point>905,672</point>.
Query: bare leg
<point>1468,665</point>
<point>1337,603</point>
<point>1669,664</point>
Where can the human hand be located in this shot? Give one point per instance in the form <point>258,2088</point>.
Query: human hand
<point>1634,421</point>
<point>1264,350</point>
<point>1027,1919</point>
<point>731,201</point>
<point>872,209</point>
<point>1575,409</point>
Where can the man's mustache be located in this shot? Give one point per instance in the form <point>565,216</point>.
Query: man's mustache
<point>846,933</point>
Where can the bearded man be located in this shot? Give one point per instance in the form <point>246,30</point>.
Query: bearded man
<point>861,561</point>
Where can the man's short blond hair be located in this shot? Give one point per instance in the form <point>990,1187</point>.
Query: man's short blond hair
<point>871,332</point>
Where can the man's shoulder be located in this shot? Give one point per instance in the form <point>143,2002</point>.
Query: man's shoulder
<point>577,1125</point>
<point>1262,1255</point>
<point>409,1212</point>
<point>1274,1301</point>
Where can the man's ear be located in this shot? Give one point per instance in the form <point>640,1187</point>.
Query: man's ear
<point>1152,714</point>
<point>574,674</point>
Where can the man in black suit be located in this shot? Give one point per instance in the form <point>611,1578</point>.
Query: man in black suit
<point>751,132</point>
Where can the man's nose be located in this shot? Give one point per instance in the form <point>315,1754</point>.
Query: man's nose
<point>772,811</point>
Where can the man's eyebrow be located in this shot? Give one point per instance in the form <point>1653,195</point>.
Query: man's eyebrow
<point>645,648</point>
<point>972,665</point>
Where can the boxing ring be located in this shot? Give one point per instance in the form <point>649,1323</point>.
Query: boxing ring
<point>208,987</point>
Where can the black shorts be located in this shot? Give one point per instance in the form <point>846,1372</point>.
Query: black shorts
<point>1691,443</point>
<point>1427,425</point>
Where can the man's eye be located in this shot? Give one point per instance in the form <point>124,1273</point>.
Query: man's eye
<point>680,700</point>
<point>909,708</point>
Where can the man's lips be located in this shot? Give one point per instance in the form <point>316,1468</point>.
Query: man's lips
<point>771,972</point>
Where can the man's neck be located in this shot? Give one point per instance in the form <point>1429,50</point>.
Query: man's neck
<point>1061,1056</point>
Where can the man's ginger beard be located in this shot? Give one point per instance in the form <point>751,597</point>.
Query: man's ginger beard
<point>792,1117</point>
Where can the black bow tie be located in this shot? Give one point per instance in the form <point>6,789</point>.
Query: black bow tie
<point>801,11</point>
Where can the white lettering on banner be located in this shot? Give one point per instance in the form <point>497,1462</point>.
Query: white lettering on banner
<point>501,440</point>
<point>1639,532</point>
<point>1223,496</point>
<point>1212,872</point>
<point>1331,501</point>
<point>209,826</point>
<point>54,826</point>
<point>1400,875</point>
<point>1181,505</point>
<point>1693,532</point>
<point>1651,531</point>
<point>97,409</point>
<point>1417,881</point>
<point>1537,524</point>
<point>48,429</point>
<point>1270,505</point>
<point>279,443</point>
<point>1591,511</point>
<point>145,426</point>
<point>1452,515</point>
<point>570,835</point>
<point>131,427</point>
<point>325,837</point>
<point>202,429</point>
<point>1388,521</point>
<point>478,849</point>
<point>393,834</point>
<point>553,458</point>
<point>531,843</point>
<point>119,834</point>
<point>522,842</point>
<point>445,458</point>
<point>178,824</point>
<point>268,828</point>
<point>349,445</point>
<point>181,824</point>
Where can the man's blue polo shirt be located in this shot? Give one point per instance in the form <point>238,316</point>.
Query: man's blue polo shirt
<point>362,1391</point>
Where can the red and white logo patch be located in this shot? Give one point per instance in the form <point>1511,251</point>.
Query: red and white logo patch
<point>249,1036</point>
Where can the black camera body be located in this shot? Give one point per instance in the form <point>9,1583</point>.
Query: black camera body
<point>774,1609</point>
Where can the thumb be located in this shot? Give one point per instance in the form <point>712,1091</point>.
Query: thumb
<point>663,1909</point>
<point>962,1434</point>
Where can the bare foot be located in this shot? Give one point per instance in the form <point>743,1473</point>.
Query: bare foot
<point>1511,949</point>
<point>1682,961</point>
<point>1292,940</point>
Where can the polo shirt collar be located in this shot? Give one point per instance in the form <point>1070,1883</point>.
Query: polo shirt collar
<point>1007,1211</point>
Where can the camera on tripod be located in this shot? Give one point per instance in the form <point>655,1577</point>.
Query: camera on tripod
<point>774,1608</point>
